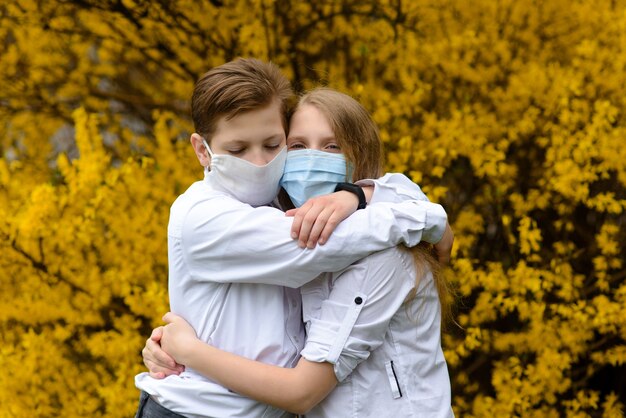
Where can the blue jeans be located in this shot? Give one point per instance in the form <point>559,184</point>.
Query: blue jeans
<point>151,409</point>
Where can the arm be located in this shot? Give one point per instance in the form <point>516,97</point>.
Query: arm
<point>223,238</point>
<point>382,282</point>
<point>296,390</point>
<point>320,216</point>
<point>396,187</point>
<point>355,317</point>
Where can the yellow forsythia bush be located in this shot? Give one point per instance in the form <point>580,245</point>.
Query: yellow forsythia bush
<point>511,113</point>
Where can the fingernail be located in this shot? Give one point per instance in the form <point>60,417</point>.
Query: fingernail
<point>294,235</point>
<point>301,244</point>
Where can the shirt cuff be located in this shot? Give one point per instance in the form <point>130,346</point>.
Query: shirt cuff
<point>396,188</point>
<point>318,351</point>
<point>393,188</point>
<point>343,366</point>
<point>436,220</point>
<point>329,341</point>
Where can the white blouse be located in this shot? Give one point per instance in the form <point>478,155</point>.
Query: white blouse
<point>387,354</point>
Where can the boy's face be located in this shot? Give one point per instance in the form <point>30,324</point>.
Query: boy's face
<point>256,136</point>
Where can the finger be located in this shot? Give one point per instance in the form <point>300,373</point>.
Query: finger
<point>292,212</point>
<point>153,352</point>
<point>330,226</point>
<point>297,220</point>
<point>169,317</point>
<point>160,372</point>
<point>157,334</point>
<point>307,225</point>
<point>318,227</point>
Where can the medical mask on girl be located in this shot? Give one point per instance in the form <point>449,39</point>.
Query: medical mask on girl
<point>249,183</point>
<point>310,173</point>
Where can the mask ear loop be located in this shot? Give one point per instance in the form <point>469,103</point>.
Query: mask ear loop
<point>208,149</point>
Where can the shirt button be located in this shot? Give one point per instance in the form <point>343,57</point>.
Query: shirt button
<point>358,300</point>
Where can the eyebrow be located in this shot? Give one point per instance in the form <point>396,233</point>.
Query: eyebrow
<point>245,141</point>
<point>275,136</point>
<point>301,138</point>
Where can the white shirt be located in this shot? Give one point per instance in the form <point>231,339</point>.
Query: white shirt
<point>228,263</point>
<point>405,373</point>
<point>387,355</point>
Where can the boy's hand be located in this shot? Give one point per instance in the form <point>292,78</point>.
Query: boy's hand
<point>444,246</point>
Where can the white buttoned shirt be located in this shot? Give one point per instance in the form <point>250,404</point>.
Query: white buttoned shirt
<point>233,274</point>
<point>386,353</point>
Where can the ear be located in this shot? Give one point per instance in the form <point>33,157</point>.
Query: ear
<point>200,150</point>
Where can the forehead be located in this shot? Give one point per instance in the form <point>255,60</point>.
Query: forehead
<point>309,120</point>
<point>256,124</point>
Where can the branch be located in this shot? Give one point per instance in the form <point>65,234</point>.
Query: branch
<point>38,265</point>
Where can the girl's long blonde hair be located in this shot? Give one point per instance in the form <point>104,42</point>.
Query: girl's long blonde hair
<point>359,139</point>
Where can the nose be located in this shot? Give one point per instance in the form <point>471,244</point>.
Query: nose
<point>260,158</point>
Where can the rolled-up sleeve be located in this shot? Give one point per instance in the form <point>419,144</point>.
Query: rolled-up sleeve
<point>355,317</point>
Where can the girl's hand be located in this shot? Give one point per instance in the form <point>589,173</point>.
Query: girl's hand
<point>178,337</point>
<point>314,221</point>
<point>158,362</point>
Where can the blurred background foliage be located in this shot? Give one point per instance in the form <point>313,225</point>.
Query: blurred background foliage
<point>509,113</point>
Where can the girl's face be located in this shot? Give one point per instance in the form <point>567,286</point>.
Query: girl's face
<point>309,129</point>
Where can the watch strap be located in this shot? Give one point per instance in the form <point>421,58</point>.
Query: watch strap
<point>355,189</point>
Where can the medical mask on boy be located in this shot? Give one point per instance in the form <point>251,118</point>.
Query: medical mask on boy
<point>249,183</point>
<point>310,173</point>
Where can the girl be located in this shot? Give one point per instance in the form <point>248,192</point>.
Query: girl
<point>373,329</point>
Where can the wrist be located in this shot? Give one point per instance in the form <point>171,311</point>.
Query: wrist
<point>187,350</point>
<point>369,192</point>
<point>354,189</point>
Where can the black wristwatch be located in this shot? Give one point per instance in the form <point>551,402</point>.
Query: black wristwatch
<point>353,188</point>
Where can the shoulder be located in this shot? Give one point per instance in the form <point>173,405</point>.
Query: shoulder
<point>398,259</point>
<point>394,265</point>
<point>200,196</point>
<point>200,204</point>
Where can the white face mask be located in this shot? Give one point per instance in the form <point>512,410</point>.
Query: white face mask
<point>249,183</point>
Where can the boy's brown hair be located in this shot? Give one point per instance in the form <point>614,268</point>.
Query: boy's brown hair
<point>237,87</point>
